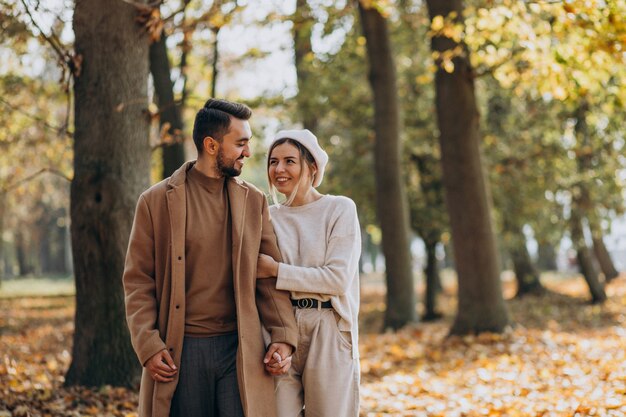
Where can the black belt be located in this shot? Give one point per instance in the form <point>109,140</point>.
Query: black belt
<point>310,303</point>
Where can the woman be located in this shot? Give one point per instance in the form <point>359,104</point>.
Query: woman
<point>319,239</point>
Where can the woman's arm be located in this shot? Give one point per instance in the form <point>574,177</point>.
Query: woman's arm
<point>333,278</point>
<point>335,275</point>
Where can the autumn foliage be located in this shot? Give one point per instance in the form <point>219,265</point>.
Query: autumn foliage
<point>563,357</point>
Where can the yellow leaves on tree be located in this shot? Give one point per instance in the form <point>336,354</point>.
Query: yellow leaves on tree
<point>563,50</point>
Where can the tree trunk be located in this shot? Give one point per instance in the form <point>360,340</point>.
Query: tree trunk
<point>24,264</point>
<point>391,200</point>
<point>372,250</point>
<point>602,254</point>
<point>67,250</point>
<point>433,282</point>
<point>546,257</point>
<point>57,237</point>
<point>174,152</point>
<point>111,168</point>
<point>526,274</point>
<point>585,259</point>
<point>2,245</point>
<point>46,246</point>
<point>581,204</point>
<point>481,305</point>
<point>303,52</point>
<point>214,62</point>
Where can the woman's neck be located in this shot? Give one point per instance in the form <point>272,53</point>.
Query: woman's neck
<point>306,197</point>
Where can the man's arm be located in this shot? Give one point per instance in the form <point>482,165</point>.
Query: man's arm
<point>140,286</point>
<point>274,305</point>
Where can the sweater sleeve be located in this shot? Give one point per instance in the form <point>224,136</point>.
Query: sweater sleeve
<point>341,261</point>
<point>274,305</point>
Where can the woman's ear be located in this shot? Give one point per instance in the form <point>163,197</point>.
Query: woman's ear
<point>313,171</point>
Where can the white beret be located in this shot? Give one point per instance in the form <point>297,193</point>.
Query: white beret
<point>309,141</point>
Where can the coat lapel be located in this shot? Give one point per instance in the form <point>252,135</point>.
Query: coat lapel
<point>237,198</point>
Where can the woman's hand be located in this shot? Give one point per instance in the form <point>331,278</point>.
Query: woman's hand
<point>266,267</point>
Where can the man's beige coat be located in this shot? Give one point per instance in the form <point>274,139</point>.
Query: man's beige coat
<point>154,285</point>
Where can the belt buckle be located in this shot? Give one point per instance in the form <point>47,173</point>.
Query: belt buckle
<point>305,303</point>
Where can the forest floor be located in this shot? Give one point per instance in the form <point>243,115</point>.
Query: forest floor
<point>562,357</point>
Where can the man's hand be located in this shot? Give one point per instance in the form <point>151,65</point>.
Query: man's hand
<point>266,267</point>
<point>161,367</point>
<point>278,358</point>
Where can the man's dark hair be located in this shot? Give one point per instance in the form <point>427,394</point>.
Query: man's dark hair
<point>214,119</point>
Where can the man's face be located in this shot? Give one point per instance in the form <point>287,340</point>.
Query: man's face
<point>234,147</point>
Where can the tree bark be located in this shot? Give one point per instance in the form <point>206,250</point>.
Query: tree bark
<point>111,168</point>
<point>302,30</point>
<point>24,264</point>
<point>546,257</point>
<point>433,283</point>
<point>67,251</point>
<point>602,254</point>
<point>391,200</point>
<point>526,274</point>
<point>481,305</point>
<point>427,221</point>
<point>173,153</point>
<point>46,246</point>
<point>214,62</point>
<point>2,245</point>
<point>585,260</point>
<point>57,238</point>
<point>581,204</point>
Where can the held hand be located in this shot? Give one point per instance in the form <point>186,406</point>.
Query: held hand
<point>279,368</point>
<point>266,267</point>
<point>161,367</point>
<point>278,358</point>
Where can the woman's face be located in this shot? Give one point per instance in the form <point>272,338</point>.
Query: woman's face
<point>285,170</point>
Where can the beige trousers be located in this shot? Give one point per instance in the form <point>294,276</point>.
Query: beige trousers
<point>323,380</point>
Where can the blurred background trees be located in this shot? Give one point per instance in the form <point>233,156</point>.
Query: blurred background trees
<point>504,128</point>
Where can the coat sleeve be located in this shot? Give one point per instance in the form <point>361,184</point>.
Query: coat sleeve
<point>140,286</point>
<point>341,262</point>
<point>274,305</point>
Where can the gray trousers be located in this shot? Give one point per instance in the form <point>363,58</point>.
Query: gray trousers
<point>207,385</point>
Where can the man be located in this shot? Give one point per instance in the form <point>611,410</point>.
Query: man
<point>193,304</point>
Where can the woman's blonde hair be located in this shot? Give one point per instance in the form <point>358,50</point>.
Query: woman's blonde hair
<point>305,157</point>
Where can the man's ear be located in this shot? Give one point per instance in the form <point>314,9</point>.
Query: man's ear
<point>210,145</point>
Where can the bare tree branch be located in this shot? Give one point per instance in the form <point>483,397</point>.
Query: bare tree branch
<point>52,39</point>
<point>31,177</point>
<point>151,5</point>
<point>58,129</point>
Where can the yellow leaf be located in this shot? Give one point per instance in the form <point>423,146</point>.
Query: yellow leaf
<point>437,23</point>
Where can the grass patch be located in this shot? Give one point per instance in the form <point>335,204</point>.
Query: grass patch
<point>52,286</point>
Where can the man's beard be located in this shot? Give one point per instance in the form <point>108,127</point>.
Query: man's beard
<point>227,169</point>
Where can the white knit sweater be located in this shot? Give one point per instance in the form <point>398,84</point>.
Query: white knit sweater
<point>321,244</point>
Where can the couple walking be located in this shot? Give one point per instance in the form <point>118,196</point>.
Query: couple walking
<point>224,293</point>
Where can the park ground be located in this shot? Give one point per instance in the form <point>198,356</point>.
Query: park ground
<point>563,357</point>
